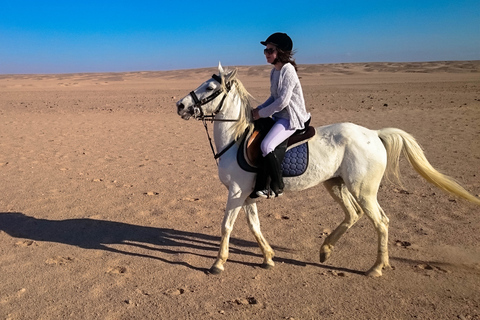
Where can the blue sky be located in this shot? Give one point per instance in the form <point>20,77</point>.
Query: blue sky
<point>114,36</point>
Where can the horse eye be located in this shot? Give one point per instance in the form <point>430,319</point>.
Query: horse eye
<point>210,88</point>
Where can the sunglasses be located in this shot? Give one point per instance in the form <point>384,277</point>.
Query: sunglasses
<point>269,50</point>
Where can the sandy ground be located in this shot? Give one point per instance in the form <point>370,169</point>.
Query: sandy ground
<point>110,205</point>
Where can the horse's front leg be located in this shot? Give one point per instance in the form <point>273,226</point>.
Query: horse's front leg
<point>234,204</point>
<point>250,208</point>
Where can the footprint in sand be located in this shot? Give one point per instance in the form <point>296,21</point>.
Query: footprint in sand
<point>335,273</point>
<point>430,267</point>
<point>7,297</point>
<point>27,243</point>
<point>59,260</point>
<point>117,270</point>
<point>174,292</point>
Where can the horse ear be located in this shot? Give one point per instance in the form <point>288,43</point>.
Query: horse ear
<point>232,74</point>
<point>220,68</point>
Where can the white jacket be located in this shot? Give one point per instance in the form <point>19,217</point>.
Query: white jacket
<point>286,94</point>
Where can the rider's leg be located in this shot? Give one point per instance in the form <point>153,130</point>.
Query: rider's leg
<point>275,136</point>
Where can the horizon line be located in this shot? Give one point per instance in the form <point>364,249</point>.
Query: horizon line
<point>261,65</point>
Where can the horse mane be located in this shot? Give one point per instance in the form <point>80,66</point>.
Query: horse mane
<point>245,121</point>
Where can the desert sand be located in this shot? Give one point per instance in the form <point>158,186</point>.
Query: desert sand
<point>110,205</point>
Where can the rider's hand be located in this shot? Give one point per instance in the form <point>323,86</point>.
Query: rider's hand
<point>255,114</point>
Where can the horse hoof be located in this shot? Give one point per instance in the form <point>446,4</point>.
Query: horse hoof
<point>374,273</point>
<point>324,256</point>
<point>387,266</point>
<point>266,266</point>
<point>215,270</point>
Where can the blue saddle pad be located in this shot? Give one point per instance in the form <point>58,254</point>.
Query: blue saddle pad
<point>295,162</point>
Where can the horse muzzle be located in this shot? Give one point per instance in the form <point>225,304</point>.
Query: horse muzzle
<point>184,112</point>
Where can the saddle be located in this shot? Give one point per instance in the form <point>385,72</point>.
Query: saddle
<point>251,146</point>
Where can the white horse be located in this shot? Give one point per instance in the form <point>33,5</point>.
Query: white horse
<point>349,159</point>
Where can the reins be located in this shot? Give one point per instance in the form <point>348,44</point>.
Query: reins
<point>221,153</point>
<point>199,114</point>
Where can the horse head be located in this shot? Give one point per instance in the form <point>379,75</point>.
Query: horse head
<point>206,98</point>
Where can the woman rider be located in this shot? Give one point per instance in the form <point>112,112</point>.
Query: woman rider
<point>286,106</point>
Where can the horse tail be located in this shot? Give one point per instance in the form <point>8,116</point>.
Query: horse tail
<point>397,141</point>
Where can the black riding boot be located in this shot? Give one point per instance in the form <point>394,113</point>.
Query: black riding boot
<point>275,171</point>
<point>261,180</point>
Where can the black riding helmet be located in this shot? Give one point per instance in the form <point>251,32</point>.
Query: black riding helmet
<point>280,40</point>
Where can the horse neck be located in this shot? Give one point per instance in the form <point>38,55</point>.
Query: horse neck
<point>222,130</point>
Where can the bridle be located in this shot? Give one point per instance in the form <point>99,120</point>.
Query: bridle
<point>197,107</point>
<point>198,113</point>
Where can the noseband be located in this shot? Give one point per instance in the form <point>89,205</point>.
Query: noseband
<point>197,107</point>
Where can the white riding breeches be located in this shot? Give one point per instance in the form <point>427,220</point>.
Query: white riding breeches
<point>277,134</point>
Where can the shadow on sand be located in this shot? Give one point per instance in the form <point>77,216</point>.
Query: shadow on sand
<point>99,234</point>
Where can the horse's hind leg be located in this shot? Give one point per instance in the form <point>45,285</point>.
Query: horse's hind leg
<point>380,221</point>
<point>250,208</point>
<point>338,190</point>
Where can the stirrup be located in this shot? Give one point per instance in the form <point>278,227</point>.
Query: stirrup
<point>266,194</point>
